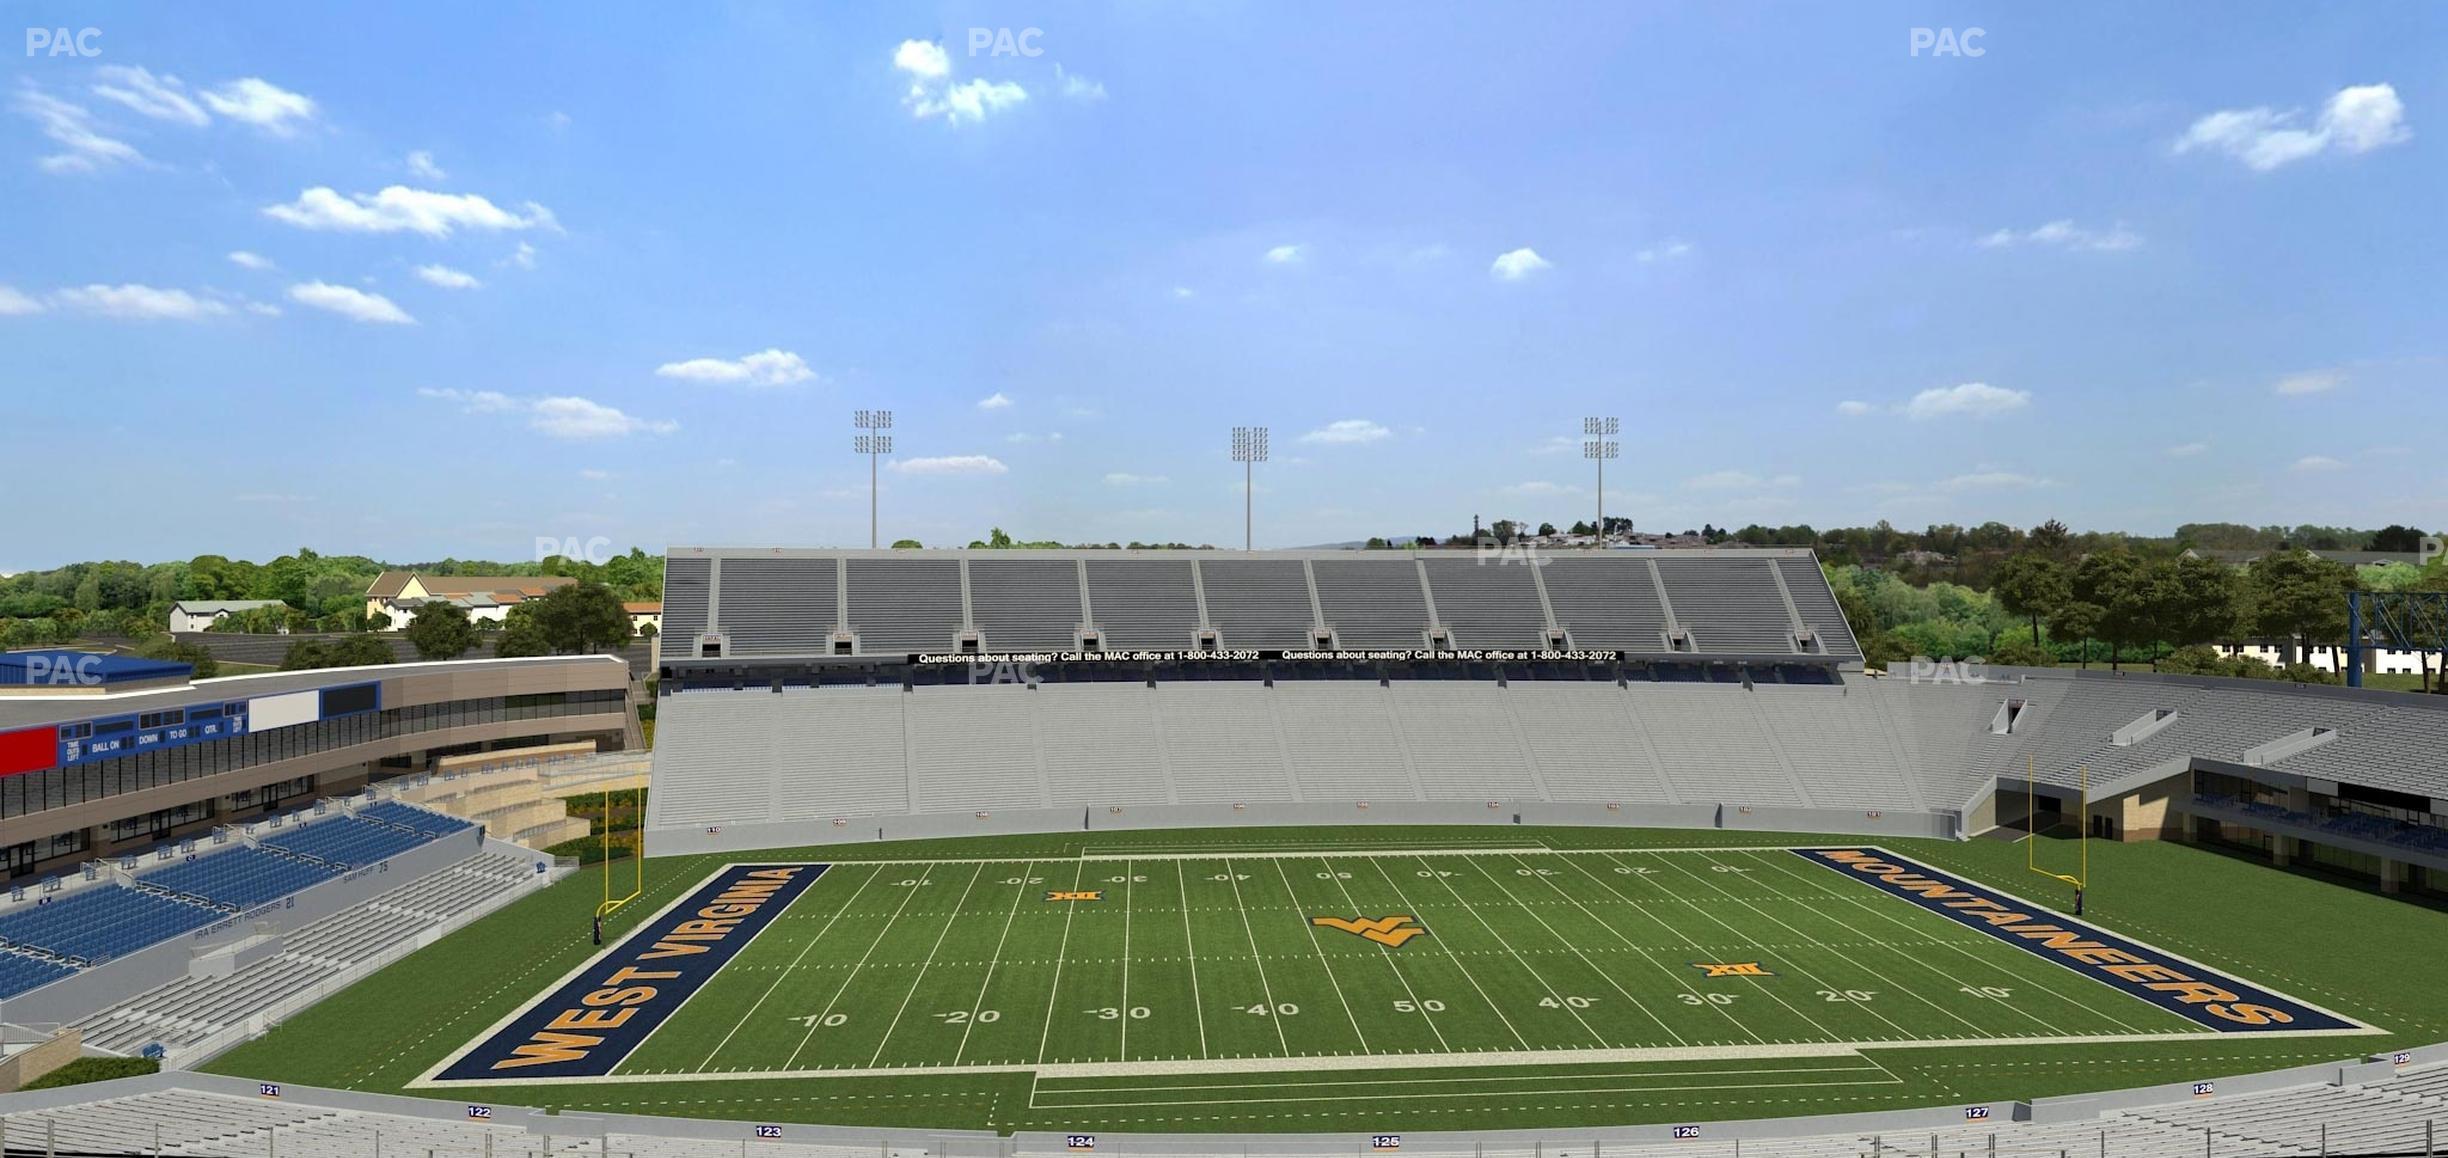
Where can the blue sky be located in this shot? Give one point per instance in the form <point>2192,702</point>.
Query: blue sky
<point>625,270</point>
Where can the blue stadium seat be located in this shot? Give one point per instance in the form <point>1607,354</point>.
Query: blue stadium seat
<point>347,841</point>
<point>97,924</point>
<point>243,877</point>
<point>19,973</point>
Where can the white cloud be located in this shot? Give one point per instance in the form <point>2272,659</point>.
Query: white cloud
<point>2064,234</point>
<point>1724,480</point>
<point>139,303</point>
<point>1559,444</point>
<point>1669,250</point>
<point>1284,254</point>
<point>593,475</point>
<point>72,127</point>
<point>1971,399</point>
<point>1992,480</point>
<point>1514,265</point>
<point>262,104</point>
<point>245,260</point>
<point>1126,479</point>
<point>565,417</point>
<point>473,401</point>
<point>923,59</point>
<point>1537,489</point>
<point>448,278</point>
<point>1349,430</point>
<point>162,98</point>
<point>1183,293</point>
<point>354,304</point>
<point>2356,119</point>
<point>769,367</point>
<point>1077,87</point>
<point>2310,382</point>
<point>523,257</point>
<point>579,418</point>
<point>263,309</point>
<point>1852,408</point>
<point>931,93</point>
<point>2188,450</point>
<point>399,208</point>
<point>15,304</point>
<point>956,464</point>
<point>2312,463</point>
<point>994,401</point>
<point>970,100</point>
<point>421,166</point>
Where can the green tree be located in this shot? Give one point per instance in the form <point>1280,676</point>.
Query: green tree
<point>440,630</point>
<point>2032,585</point>
<point>361,651</point>
<point>194,654</point>
<point>521,636</point>
<point>2199,601</point>
<point>2077,620</point>
<point>2300,596</point>
<point>908,545</point>
<point>579,618</point>
<point>2117,583</point>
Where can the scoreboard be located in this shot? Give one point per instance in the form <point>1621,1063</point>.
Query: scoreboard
<point>106,737</point>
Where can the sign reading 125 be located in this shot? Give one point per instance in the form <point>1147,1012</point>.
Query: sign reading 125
<point>1385,1141</point>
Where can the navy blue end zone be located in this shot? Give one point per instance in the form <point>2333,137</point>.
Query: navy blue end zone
<point>606,1009</point>
<point>2188,990</point>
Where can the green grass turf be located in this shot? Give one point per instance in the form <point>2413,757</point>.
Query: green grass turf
<point>1507,946</point>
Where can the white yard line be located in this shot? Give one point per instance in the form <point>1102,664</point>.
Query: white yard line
<point>1577,948</point>
<point>1255,957</point>
<point>784,975</point>
<point>1198,1004</point>
<point>952,919</point>
<point>1054,991</point>
<point>1825,888</point>
<point>1814,979</point>
<point>994,962</point>
<point>1553,992</point>
<point>1408,1061</point>
<point>1324,965</point>
<point>853,975</point>
<point>1473,978</point>
<point>1668,969</point>
<point>1756,985</point>
<point>1384,954</point>
<point>1124,1048</point>
<point>1465,970</point>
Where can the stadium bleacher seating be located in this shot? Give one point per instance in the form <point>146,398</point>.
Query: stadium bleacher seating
<point>20,972</point>
<point>399,815</point>
<point>102,922</point>
<point>240,877</point>
<point>346,841</point>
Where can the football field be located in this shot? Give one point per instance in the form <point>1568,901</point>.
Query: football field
<point>1251,980</point>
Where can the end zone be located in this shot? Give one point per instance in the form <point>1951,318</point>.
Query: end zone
<point>606,1008</point>
<point>2186,988</point>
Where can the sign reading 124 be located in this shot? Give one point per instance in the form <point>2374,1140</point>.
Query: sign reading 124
<point>1080,1141</point>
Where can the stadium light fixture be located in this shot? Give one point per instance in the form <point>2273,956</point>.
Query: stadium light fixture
<point>1249,448</point>
<point>875,444</point>
<point>1598,447</point>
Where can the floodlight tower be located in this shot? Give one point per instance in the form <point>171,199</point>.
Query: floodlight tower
<point>1249,448</point>
<point>874,445</point>
<point>1600,447</point>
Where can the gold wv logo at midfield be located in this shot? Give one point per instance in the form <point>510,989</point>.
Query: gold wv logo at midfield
<point>1386,931</point>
